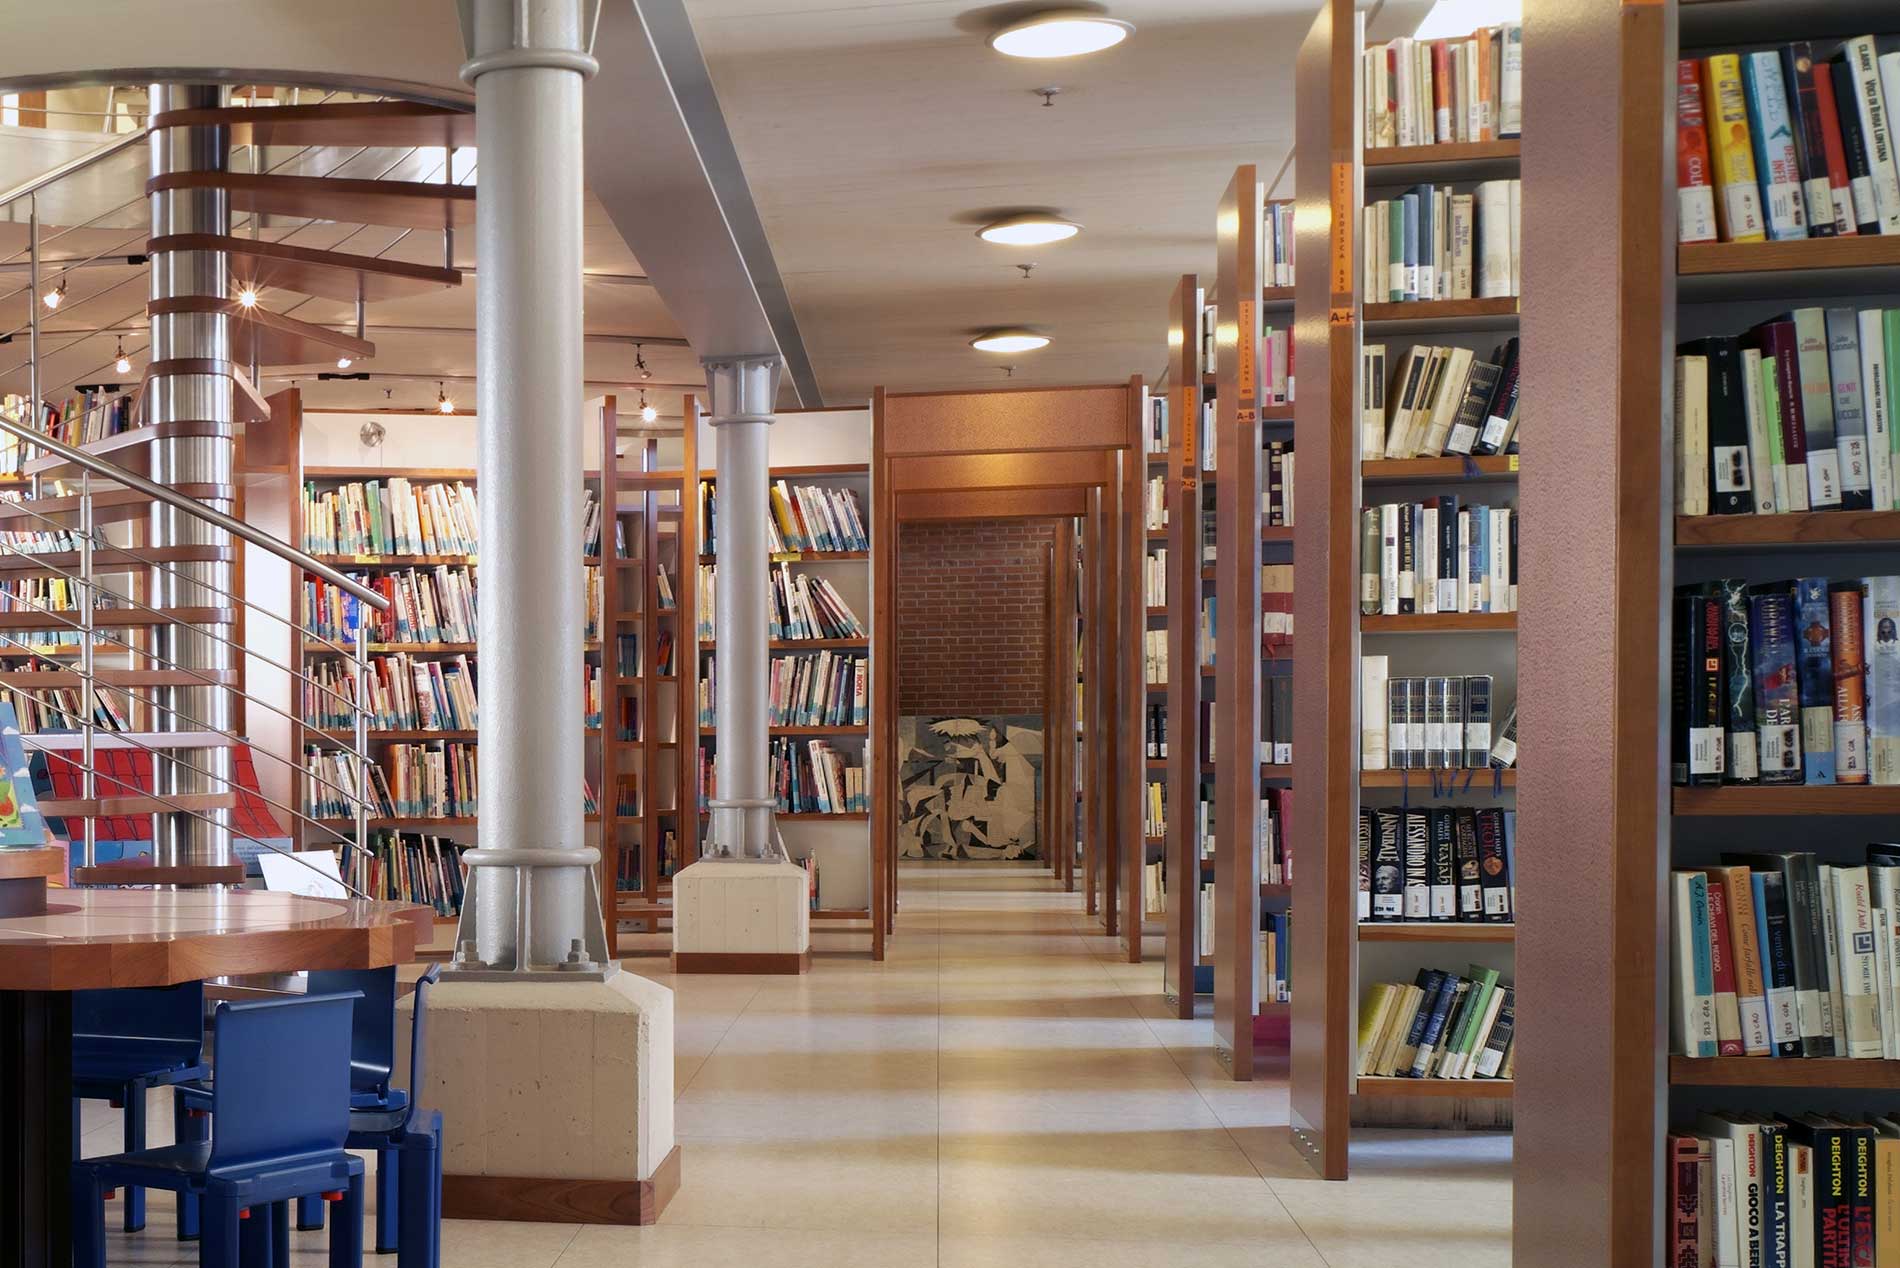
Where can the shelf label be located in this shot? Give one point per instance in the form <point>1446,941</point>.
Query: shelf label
<point>1513,462</point>
<point>1249,340</point>
<point>1342,214</point>
<point>787,557</point>
<point>1339,316</point>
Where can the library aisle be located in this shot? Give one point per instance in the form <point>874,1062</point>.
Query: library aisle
<point>1002,1090</point>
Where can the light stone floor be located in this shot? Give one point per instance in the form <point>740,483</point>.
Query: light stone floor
<point>1001,1092</point>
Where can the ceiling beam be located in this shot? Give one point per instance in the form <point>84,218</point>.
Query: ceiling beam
<point>662,164</point>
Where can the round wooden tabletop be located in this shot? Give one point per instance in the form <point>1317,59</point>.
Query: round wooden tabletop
<point>94,938</point>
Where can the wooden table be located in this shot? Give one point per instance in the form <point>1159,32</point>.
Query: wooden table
<point>90,939</point>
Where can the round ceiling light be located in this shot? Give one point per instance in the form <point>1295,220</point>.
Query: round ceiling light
<point>1030,229</point>
<point>1010,340</point>
<point>1060,33</point>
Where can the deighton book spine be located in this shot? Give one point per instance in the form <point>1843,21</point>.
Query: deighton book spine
<point>1850,686</point>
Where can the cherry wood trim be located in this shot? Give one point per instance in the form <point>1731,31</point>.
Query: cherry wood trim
<point>560,1201</point>
<point>1131,490</point>
<point>1698,259</point>
<point>22,864</point>
<point>136,874</point>
<point>1091,674</point>
<point>1434,1089</point>
<point>332,123</point>
<point>1182,497</point>
<point>397,204</point>
<point>994,504</point>
<point>1001,469</point>
<point>882,754</point>
<point>1010,419</point>
<point>767,962</point>
<point>1761,1072</point>
<point>1795,529</point>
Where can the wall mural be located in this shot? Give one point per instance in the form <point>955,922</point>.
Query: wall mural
<point>969,787</point>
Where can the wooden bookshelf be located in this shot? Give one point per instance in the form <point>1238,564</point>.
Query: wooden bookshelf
<point>1799,530</point>
<point>1787,799</point>
<point>1783,1072</point>
<point>1337,958</point>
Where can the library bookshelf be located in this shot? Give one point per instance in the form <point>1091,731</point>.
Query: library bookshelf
<point>1338,957</point>
<point>1245,418</point>
<point>828,450</point>
<point>1599,1086</point>
<point>625,766</point>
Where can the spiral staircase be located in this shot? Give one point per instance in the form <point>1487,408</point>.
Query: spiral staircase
<point>120,545</point>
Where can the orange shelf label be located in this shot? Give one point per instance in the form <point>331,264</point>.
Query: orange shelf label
<point>1249,338</point>
<point>1341,212</point>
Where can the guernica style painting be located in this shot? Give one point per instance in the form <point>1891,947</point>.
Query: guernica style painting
<point>969,787</point>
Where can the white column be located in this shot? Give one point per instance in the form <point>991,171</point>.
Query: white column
<point>533,895</point>
<point>743,392</point>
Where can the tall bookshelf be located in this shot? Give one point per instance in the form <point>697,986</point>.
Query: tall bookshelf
<point>832,449</point>
<point>1342,957</point>
<point>1597,1086</point>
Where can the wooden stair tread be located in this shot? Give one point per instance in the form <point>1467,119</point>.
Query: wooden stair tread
<point>127,449</point>
<point>109,559</point>
<point>153,874</point>
<point>272,338</point>
<point>310,271</point>
<point>135,804</point>
<point>340,123</point>
<point>115,618</point>
<point>397,204</point>
<point>109,506</point>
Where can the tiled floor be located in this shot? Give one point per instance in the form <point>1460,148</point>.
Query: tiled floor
<point>999,1092</point>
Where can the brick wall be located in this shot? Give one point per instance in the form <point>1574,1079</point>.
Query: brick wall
<point>969,616</point>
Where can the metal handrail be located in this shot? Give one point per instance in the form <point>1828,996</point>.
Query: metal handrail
<point>196,509</point>
<point>79,163</point>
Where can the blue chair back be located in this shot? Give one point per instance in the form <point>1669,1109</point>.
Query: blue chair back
<point>283,1083</point>
<point>168,1019</point>
<point>373,1030</point>
<point>418,1036</point>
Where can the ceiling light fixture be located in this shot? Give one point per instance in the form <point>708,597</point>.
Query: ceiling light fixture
<point>247,298</point>
<point>54,296</point>
<point>443,404</point>
<point>1012,339</point>
<point>1029,229</point>
<point>123,365</point>
<point>1060,33</point>
<point>647,413</point>
<point>640,362</point>
<point>342,363</point>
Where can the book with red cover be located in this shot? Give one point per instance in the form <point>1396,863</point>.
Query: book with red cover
<point>1728,1015</point>
<point>1695,194</point>
<point>1684,1234</point>
<point>1835,152</point>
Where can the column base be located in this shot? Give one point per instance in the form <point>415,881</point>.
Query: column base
<point>781,962</point>
<point>538,1200</point>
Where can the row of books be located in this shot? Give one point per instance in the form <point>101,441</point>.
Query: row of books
<point>433,606</point>
<point>407,867</point>
<point>64,708</point>
<point>592,684</point>
<point>1154,578</point>
<point>1445,864</point>
<point>1439,722</point>
<point>1437,557</point>
<point>1276,244</point>
<point>628,860</point>
<point>401,693</point>
<point>433,780</point>
<point>1786,682</point>
<point>13,451</point>
<point>1440,401</point>
<point>824,688</point>
<point>91,415</point>
<point>333,785</point>
<point>1154,505</point>
<point>1276,494</point>
<point>392,517</point>
<point>802,606</point>
<point>1796,415</point>
<point>1783,1191</point>
<point>1276,603</point>
<point>1276,725</point>
<point>1441,1025</point>
<point>1800,147</point>
<point>1781,955</point>
<point>1154,809</point>
<point>812,777</point>
<point>1273,967</point>
<point>804,517</point>
<point>1440,92</point>
<point>1432,243</point>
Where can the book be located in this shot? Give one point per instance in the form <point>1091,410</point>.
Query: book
<point>1738,197</point>
<point>1881,634</point>
<point>1876,129</point>
<point>1738,688</point>
<point>1850,686</point>
<point>1695,196</point>
<point>1815,648</point>
<point>1691,983</point>
<point>1727,1005</point>
<point>1850,418</point>
<point>1809,137</point>
<point>1765,96</point>
<point>1817,407</point>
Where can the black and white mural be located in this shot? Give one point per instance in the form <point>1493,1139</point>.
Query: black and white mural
<point>969,787</point>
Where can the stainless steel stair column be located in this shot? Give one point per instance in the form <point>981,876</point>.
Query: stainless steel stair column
<point>532,902</point>
<point>743,391</point>
<point>199,464</point>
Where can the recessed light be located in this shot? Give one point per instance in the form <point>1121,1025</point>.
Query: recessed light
<point>1030,229</point>
<point>1011,340</point>
<point>1060,33</point>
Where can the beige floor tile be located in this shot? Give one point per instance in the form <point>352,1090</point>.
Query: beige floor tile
<point>872,1185</point>
<point>692,1246</point>
<point>1054,1252</point>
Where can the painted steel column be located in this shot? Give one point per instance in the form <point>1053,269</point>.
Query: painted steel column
<point>527,62</point>
<point>743,393</point>
<point>201,403</point>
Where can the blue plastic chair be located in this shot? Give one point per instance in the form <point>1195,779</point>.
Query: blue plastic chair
<point>383,1118</point>
<point>127,1041</point>
<point>282,1113</point>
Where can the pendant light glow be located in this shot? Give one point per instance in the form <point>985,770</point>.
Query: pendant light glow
<point>1011,340</point>
<point>1060,33</point>
<point>442,402</point>
<point>122,364</point>
<point>1031,229</point>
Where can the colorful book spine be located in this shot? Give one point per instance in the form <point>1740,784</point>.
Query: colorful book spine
<point>1814,639</point>
<point>1850,686</point>
<point>1777,687</point>
<point>1810,143</point>
<point>1695,196</point>
<point>1738,197</point>
<point>1772,131</point>
<point>1882,625</point>
<point>1738,690</point>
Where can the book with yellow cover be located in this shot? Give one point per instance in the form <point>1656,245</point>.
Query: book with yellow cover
<point>1738,196</point>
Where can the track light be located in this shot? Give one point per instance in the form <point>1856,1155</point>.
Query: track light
<point>124,363</point>
<point>247,298</point>
<point>342,363</point>
<point>640,362</point>
<point>55,296</point>
<point>647,413</point>
<point>443,404</point>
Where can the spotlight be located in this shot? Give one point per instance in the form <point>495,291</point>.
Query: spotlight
<point>247,298</point>
<point>54,296</point>
<point>124,363</point>
<point>443,404</point>
<point>342,363</point>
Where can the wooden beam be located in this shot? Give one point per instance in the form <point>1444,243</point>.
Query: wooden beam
<point>1025,420</point>
<point>994,504</point>
<point>1183,775</point>
<point>961,473</point>
<point>1131,486</point>
<point>1093,771</point>
<point>884,785</point>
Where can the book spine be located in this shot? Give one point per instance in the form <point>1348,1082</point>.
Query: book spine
<point>1814,638</point>
<point>1738,198</point>
<point>1695,197</point>
<point>1860,183</point>
<point>1776,938</point>
<point>1840,185</point>
<point>1883,679</point>
<point>1850,687</point>
<point>1777,690</point>
<point>1738,663</point>
<point>1810,146</point>
<point>1850,418</point>
<point>1817,408</point>
<point>1876,130</point>
<point>1878,403</point>
<point>1692,988</point>
<point>1728,1018</point>
<point>1776,166</point>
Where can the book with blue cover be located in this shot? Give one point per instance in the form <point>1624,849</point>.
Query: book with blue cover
<point>1814,648</point>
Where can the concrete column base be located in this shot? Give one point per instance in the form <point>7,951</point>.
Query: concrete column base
<point>556,1098</point>
<point>741,918</point>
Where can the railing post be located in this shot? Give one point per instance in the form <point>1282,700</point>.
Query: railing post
<point>89,693</point>
<point>33,302</point>
<point>360,729</point>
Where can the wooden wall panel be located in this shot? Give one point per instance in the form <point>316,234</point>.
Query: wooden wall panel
<point>1022,419</point>
<point>993,504</point>
<point>959,473</point>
